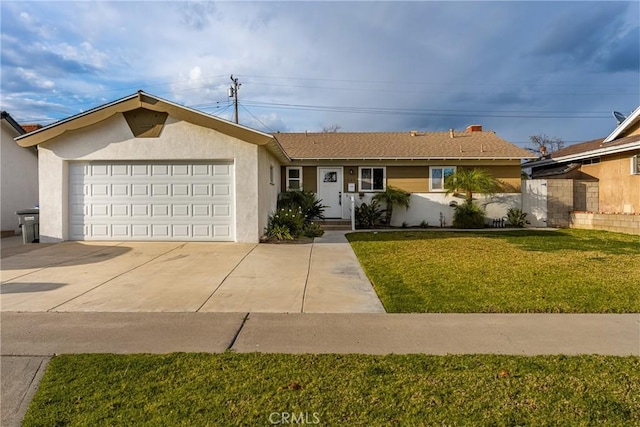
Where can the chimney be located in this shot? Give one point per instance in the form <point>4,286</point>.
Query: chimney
<point>474,128</point>
<point>451,134</point>
<point>543,151</point>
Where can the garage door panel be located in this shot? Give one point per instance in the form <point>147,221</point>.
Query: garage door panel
<point>151,201</point>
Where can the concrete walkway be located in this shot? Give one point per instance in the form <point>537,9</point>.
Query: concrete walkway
<point>320,277</point>
<point>30,339</point>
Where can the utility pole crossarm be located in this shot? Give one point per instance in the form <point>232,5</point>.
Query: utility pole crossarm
<point>234,93</point>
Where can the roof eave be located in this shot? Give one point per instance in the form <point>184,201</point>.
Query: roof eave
<point>586,154</point>
<point>406,158</point>
<point>623,126</point>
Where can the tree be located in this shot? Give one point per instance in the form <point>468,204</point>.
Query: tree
<point>542,144</point>
<point>392,196</point>
<point>469,181</point>
<point>331,128</point>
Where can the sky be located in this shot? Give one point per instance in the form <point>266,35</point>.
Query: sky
<point>517,68</point>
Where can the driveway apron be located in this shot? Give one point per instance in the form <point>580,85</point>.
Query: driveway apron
<point>319,277</point>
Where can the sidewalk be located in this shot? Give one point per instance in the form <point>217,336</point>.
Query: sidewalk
<point>30,339</point>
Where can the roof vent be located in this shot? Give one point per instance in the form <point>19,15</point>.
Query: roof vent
<point>414,133</point>
<point>474,128</point>
<point>451,133</point>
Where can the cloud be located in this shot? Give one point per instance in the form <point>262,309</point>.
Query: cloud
<point>197,14</point>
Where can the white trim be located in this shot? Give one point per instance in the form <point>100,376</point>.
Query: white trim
<point>372,190</point>
<point>286,178</point>
<point>439,190</point>
<point>624,125</point>
<point>593,153</point>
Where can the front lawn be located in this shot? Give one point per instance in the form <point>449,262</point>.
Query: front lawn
<point>520,271</point>
<point>265,389</point>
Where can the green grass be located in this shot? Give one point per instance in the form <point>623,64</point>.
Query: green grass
<point>523,271</point>
<point>356,390</point>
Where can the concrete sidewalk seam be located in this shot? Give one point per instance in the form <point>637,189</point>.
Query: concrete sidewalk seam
<point>306,280</point>
<point>226,277</point>
<point>237,334</point>
<point>115,277</point>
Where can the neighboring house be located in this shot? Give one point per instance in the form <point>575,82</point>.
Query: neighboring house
<point>19,176</point>
<point>144,168</point>
<point>612,162</point>
<point>339,165</point>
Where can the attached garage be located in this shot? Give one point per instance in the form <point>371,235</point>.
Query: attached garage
<point>145,169</point>
<point>151,201</point>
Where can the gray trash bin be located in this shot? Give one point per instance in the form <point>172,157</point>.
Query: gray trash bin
<point>29,220</point>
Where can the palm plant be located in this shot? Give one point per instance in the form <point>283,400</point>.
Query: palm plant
<point>390,197</point>
<point>469,181</point>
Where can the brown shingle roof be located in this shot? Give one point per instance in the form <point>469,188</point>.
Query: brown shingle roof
<point>398,145</point>
<point>596,144</point>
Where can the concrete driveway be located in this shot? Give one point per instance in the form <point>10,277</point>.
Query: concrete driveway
<point>322,277</point>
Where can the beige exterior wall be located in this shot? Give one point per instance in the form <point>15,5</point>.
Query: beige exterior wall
<point>310,178</point>
<point>18,180</point>
<point>619,190</point>
<point>414,179</point>
<point>267,189</point>
<point>111,139</point>
<point>632,130</point>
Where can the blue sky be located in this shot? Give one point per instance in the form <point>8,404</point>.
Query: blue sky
<point>518,68</point>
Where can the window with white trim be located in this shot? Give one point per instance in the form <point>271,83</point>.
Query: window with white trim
<point>372,179</point>
<point>294,178</point>
<point>635,165</point>
<point>437,175</point>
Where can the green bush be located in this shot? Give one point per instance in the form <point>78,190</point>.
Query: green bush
<point>313,230</point>
<point>424,224</point>
<point>517,217</point>
<point>308,202</point>
<point>292,219</point>
<point>279,232</point>
<point>369,216</point>
<point>468,215</point>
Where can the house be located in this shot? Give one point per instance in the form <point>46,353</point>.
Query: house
<point>340,165</point>
<point>19,180</point>
<point>608,168</point>
<point>144,168</point>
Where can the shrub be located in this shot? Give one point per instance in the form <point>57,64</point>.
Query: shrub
<point>390,197</point>
<point>517,217</point>
<point>292,219</point>
<point>424,224</point>
<point>279,232</point>
<point>313,230</point>
<point>308,202</point>
<point>468,215</point>
<point>369,216</point>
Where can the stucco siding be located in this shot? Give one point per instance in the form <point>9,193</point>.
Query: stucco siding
<point>179,140</point>
<point>268,189</point>
<point>18,180</point>
<point>619,190</point>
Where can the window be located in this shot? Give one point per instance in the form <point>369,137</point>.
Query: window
<point>635,165</point>
<point>294,178</point>
<point>438,175</point>
<point>272,173</point>
<point>372,179</point>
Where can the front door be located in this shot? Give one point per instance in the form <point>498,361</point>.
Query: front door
<point>330,191</point>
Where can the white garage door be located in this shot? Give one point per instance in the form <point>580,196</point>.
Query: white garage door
<point>151,201</point>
